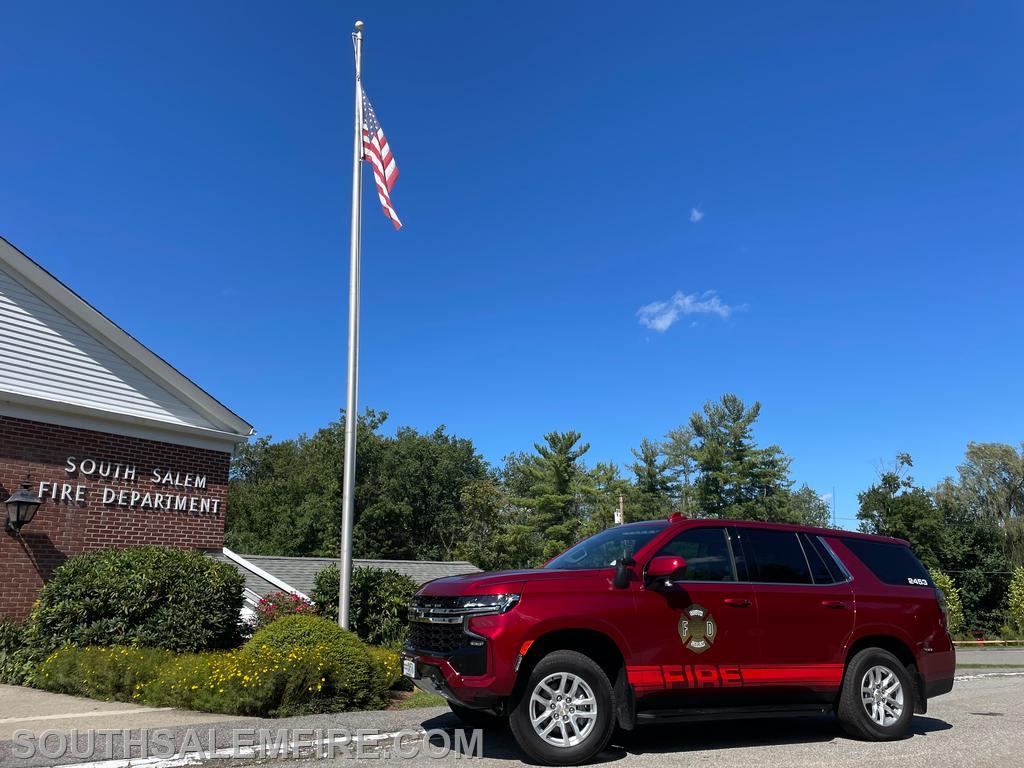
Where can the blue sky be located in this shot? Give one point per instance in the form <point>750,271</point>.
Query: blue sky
<point>613,212</point>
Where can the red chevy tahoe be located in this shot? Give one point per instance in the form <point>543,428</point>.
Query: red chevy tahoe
<point>680,620</point>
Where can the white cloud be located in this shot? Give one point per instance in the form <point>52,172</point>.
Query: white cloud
<point>660,315</point>
<point>696,215</point>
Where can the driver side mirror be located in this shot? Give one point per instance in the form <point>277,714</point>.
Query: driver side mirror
<point>663,570</point>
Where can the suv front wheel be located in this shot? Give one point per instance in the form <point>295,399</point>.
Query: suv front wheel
<point>566,713</point>
<point>877,698</point>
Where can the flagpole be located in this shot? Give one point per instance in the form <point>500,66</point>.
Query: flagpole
<point>351,408</point>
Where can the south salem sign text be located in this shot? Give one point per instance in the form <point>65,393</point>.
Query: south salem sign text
<point>165,495</point>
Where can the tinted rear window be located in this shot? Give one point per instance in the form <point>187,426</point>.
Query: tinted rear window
<point>819,570</point>
<point>776,556</point>
<point>814,548</point>
<point>891,563</point>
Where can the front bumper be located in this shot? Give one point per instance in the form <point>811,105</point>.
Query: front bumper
<point>436,675</point>
<point>468,658</point>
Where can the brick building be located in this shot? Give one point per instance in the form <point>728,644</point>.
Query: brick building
<point>122,448</point>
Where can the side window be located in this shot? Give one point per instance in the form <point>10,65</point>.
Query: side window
<point>775,556</point>
<point>819,568</point>
<point>818,545</point>
<point>706,551</point>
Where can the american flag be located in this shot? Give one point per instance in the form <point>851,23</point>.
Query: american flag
<point>377,152</point>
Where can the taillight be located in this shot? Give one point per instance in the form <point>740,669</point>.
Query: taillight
<point>940,597</point>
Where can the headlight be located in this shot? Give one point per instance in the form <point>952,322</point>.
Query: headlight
<point>488,603</point>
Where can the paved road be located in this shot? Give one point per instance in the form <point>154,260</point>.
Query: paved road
<point>979,724</point>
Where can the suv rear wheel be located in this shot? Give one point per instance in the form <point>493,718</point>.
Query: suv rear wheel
<point>566,713</point>
<point>877,698</point>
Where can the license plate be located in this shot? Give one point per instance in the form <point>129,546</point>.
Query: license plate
<point>409,668</point>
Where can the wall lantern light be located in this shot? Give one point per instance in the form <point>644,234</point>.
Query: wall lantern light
<point>21,508</point>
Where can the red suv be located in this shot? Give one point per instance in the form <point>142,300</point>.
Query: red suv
<point>681,620</point>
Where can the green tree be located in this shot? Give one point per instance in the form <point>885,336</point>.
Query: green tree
<point>975,555</point>
<point>992,479</point>
<point>412,495</point>
<point>680,452</point>
<point>285,497</point>
<point>894,506</point>
<point>992,485</point>
<point>737,478</point>
<point>806,507</point>
<point>498,535</point>
<point>556,478</point>
<point>652,484</point>
<point>606,486</point>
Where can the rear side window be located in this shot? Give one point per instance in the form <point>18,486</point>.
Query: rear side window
<point>819,570</point>
<point>820,558</point>
<point>775,556</point>
<point>891,563</point>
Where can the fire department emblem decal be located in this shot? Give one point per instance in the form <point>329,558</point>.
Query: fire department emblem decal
<point>697,628</point>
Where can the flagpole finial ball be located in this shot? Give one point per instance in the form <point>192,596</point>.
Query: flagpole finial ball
<point>359,26</point>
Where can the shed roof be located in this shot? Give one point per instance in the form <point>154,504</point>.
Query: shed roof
<point>299,573</point>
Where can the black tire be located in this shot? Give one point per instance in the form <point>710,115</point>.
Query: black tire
<point>585,669</point>
<point>853,713</point>
<point>478,718</point>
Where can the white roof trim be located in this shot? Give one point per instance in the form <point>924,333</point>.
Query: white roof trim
<point>96,323</point>
<point>83,417</point>
<point>283,585</point>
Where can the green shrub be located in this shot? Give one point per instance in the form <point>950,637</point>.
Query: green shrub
<point>348,668</point>
<point>379,603</point>
<point>1016,602</point>
<point>160,597</point>
<point>255,680</point>
<point>110,673</point>
<point>326,585</point>
<point>387,670</point>
<point>953,603</point>
<point>251,681</point>
<point>17,659</point>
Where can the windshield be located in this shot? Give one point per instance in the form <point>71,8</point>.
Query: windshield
<point>603,549</point>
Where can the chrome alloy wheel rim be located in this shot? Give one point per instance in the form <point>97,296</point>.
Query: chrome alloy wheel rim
<point>563,709</point>
<point>882,695</point>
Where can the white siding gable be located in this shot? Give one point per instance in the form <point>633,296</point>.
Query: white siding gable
<point>45,355</point>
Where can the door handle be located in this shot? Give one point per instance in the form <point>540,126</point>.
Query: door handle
<point>737,602</point>
<point>833,604</point>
